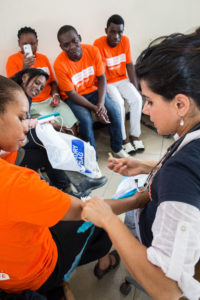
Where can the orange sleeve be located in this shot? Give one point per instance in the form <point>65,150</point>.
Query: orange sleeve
<point>13,65</point>
<point>35,201</point>
<point>100,69</point>
<point>51,75</point>
<point>64,81</point>
<point>99,45</point>
<point>128,51</point>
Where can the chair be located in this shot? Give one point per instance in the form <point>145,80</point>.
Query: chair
<point>125,287</point>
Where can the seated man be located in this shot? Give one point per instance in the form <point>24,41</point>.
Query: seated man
<point>48,101</point>
<point>80,73</point>
<point>116,54</point>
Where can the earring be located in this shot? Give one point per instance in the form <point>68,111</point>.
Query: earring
<point>181,122</point>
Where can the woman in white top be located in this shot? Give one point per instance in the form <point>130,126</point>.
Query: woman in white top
<point>168,205</point>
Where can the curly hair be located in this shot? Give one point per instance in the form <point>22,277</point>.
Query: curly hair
<point>26,30</point>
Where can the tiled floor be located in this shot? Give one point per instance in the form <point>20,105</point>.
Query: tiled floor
<point>83,283</point>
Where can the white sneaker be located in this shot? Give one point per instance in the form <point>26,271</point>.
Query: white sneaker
<point>121,154</point>
<point>129,148</point>
<point>138,145</point>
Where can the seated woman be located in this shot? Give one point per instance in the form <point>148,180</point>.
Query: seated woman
<point>36,249</point>
<point>168,206</point>
<point>48,101</point>
<point>35,156</point>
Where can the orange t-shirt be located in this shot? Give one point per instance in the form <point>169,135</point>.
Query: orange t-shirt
<point>9,156</point>
<point>28,207</point>
<point>15,63</point>
<point>79,75</point>
<point>115,59</point>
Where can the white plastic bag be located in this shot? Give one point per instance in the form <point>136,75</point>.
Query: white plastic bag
<point>127,186</point>
<point>66,152</point>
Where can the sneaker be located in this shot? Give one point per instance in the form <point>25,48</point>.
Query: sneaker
<point>138,145</point>
<point>129,148</point>
<point>122,153</point>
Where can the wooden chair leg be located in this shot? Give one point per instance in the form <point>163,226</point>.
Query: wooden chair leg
<point>68,291</point>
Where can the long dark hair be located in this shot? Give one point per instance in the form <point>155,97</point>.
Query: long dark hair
<point>171,65</point>
<point>32,72</point>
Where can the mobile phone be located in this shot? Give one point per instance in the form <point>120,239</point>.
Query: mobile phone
<point>28,49</point>
<point>47,118</point>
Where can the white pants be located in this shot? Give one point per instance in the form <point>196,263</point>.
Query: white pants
<point>120,90</point>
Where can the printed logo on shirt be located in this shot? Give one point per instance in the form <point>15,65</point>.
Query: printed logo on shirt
<point>82,76</point>
<point>4,276</point>
<point>115,61</point>
<point>45,69</point>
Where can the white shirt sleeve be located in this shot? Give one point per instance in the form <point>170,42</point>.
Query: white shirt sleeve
<point>176,244</point>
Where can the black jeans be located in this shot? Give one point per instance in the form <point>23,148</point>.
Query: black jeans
<point>36,157</point>
<point>69,244</point>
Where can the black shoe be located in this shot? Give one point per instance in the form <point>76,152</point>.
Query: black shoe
<point>89,184</point>
<point>100,273</point>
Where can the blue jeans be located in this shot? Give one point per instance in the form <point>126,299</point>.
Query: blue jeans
<point>83,114</point>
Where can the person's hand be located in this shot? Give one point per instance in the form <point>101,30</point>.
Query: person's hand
<point>31,123</point>
<point>55,100</point>
<point>63,129</point>
<point>101,109</point>
<point>125,166</point>
<point>97,211</point>
<point>103,118</point>
<point>28,61</point>
<point>101,114</point>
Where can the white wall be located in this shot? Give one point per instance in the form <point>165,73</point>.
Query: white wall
<point>144,21</point>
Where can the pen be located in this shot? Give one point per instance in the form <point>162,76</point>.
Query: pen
<point>110,155</point>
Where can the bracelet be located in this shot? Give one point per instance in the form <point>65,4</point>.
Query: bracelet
<point>56,94</point>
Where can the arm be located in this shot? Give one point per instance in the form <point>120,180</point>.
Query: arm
<point>102,112</point>
<point>101,90</point>
<point>131,74</point>
<point>74,212</point>
<point>133,253</point>
<point>130,166</point>
<point>120,206</point>
<point>28,61</point>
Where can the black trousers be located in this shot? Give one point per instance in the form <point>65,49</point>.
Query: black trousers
<point>69,244</point>
<point>36,157</point>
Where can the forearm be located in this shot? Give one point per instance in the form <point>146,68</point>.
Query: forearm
<point>74,213</point>
<point>120,206</point>
<point>147,166</point>
<point>101,89</point>
<point>131,74</point>
<point>134,255</point>
<point>81,100</point>
<point>54,88</point>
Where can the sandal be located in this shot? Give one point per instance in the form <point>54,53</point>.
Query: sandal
<point>129,148</point>
<point>100,273</point>
<point>138,145</point>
